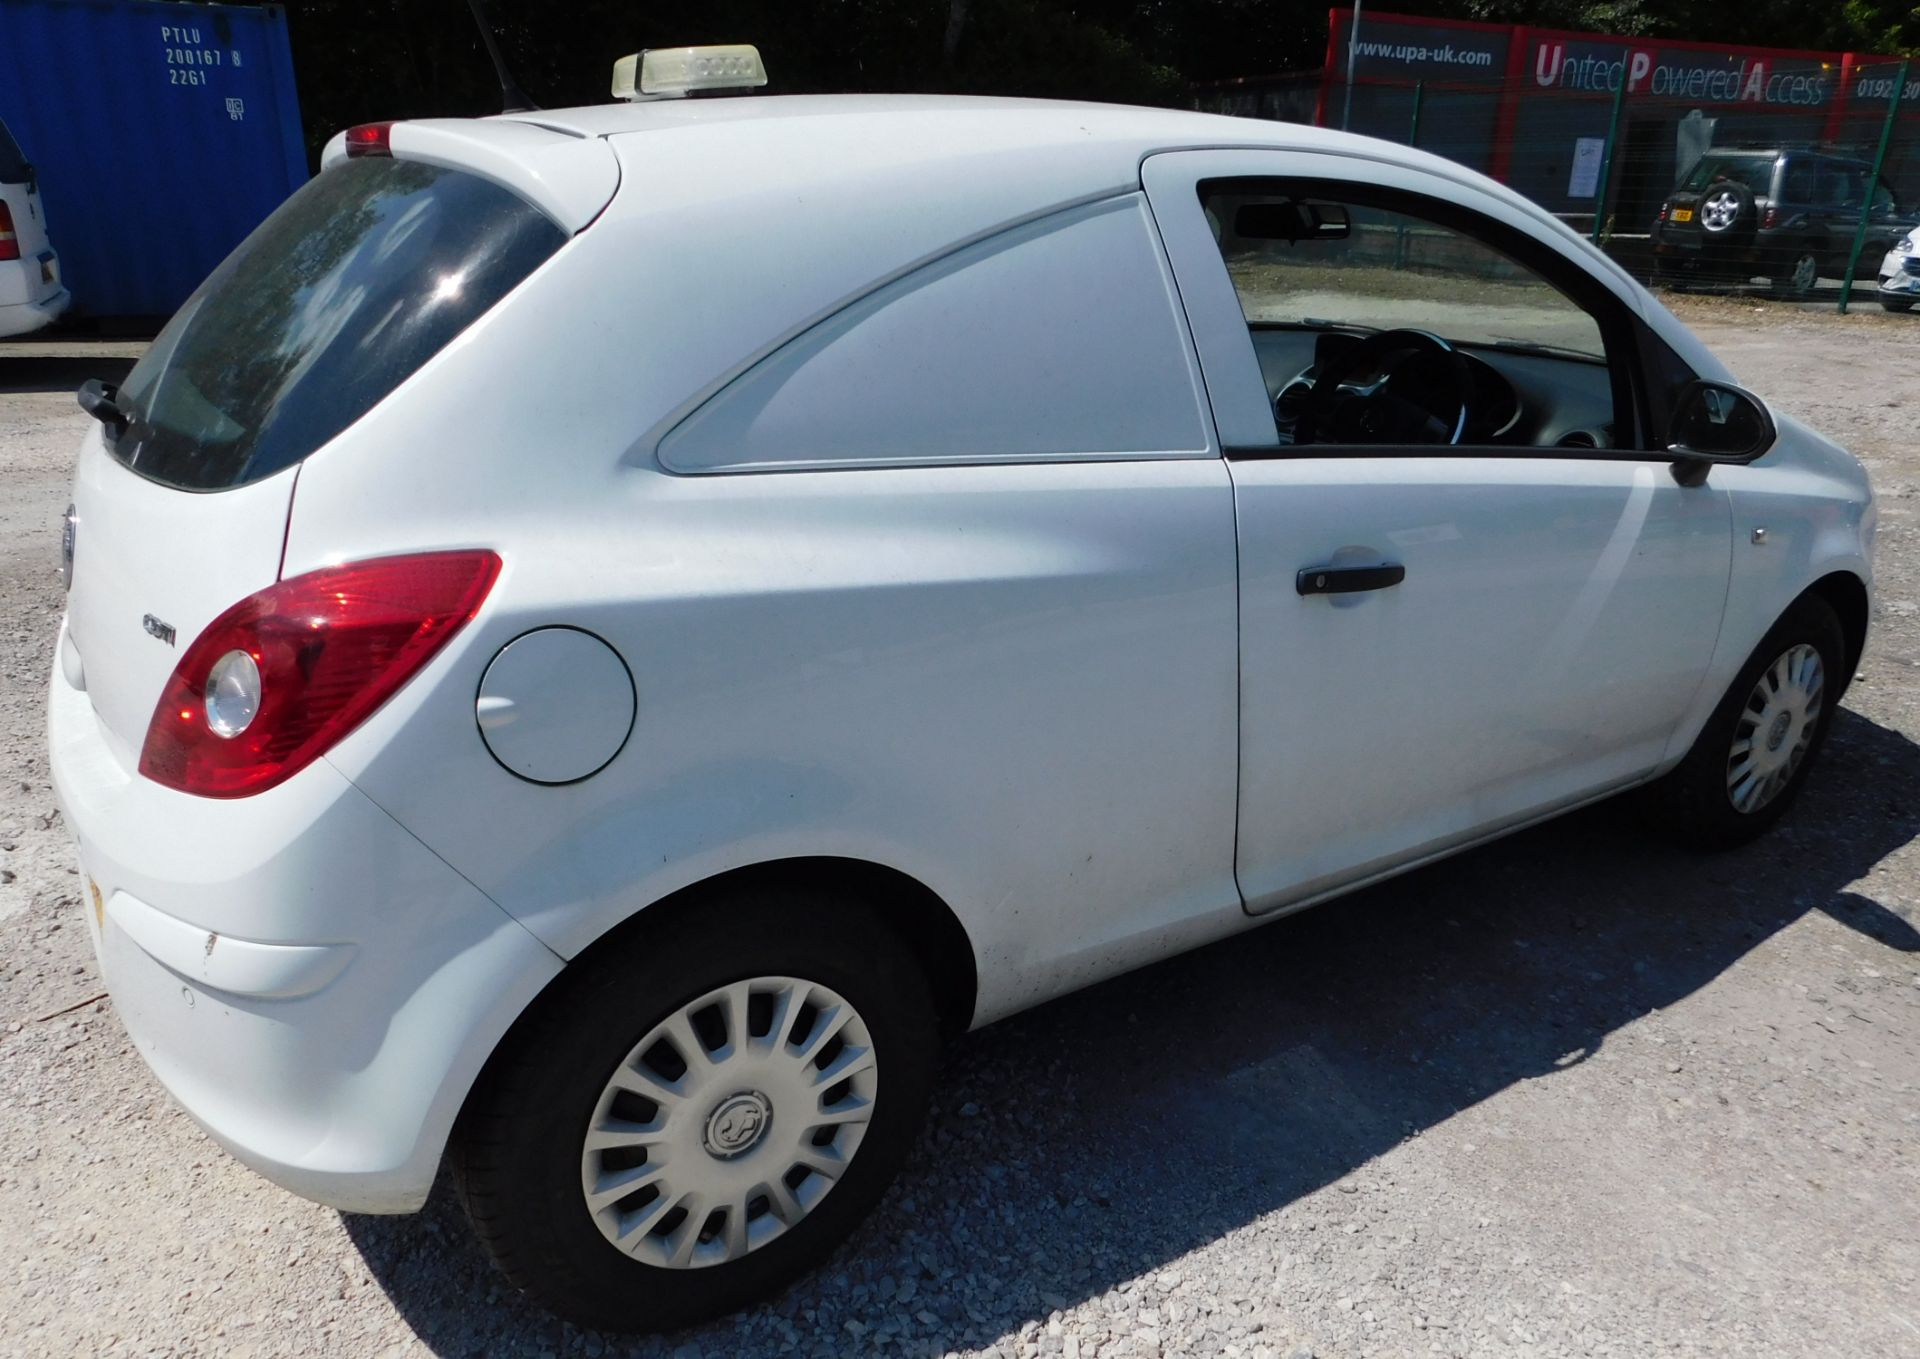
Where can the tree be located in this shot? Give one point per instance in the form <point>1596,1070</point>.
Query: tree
<point>1891,26</point>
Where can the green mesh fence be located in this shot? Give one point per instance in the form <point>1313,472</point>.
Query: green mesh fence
<point>1699,188</point>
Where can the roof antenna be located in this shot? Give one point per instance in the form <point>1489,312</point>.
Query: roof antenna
<point>513,99</point>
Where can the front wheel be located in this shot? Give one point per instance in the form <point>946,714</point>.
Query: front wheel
<point>698,1119</point>
<point>1752,757</point>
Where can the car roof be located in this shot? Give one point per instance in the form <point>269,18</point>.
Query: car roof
<point>991,122</point>
<point>1057,152</point>
<point>1779,151</point>
<point>1076,149</point>
<point>1088,147</point>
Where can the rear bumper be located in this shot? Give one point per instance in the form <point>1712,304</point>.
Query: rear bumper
<point>315,987</point>
<point>1697,250</point>
<point>23,318</point>
<point>1694,255</point>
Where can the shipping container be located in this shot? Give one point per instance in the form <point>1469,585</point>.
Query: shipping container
<point>162,133</point>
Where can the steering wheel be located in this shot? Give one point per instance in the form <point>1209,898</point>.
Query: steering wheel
<point>1435,412</point>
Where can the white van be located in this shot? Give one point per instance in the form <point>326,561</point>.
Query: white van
<point>775,582</point>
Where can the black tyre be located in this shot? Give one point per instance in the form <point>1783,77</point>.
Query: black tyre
<point>701,1114</point>
<point>1752,757</point>
<point>1896,304</point>
<point>1798,271</point>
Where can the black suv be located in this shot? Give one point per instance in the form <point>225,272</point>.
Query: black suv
<point>1787,214</point>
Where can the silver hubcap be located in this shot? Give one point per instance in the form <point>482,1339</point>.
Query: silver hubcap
<point>1775,729</point>
<point>1806,272</point>
<point>729,1122</point>
<point>1718,212</point>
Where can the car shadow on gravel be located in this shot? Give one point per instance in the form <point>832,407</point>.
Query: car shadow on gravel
<point>38,373</point>
<point>1079,1145</point>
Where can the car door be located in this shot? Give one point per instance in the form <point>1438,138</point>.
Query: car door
<point>1798,206</point>
<point>1858,194</point>
<point>1843,195</point>
<point>1871,198</point>
<point>1437,641</point>
<point>1885,222</point>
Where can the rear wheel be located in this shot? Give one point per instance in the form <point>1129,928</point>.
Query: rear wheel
<point>1799,273</point>
<point>698,1119</point>
<point>1752,757</point>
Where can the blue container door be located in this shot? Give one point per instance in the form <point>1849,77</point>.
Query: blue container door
<point>162,134</point>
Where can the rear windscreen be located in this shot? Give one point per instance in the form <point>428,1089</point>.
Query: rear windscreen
<point>1755,172</point>
<point>349,287</point>
<point>13,165</point>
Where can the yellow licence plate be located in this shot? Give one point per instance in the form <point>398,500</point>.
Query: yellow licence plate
<point>1683,214</point>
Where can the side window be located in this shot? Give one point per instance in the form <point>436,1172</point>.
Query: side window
<point>1380,319</point>
<point>1837,188</point>
<point>1859,180</point>
<point>1061,338</point>
<point>1799,182</point>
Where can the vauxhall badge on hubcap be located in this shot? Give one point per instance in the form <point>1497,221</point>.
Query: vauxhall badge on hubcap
<point>737,1122</point>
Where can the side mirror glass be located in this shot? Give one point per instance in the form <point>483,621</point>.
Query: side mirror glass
<point>1718,422</point>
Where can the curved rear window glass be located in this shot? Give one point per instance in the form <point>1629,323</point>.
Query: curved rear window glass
<point>1754,171</point>
<point>13,164</point>
<point>1059,338</point>
<point>350,286</point>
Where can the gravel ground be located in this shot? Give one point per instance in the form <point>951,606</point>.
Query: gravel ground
<point>1572,1094</point>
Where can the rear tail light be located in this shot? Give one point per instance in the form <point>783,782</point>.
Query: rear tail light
<point>1770,218</point>
<point>1663,213</point>
<point>370,139</point>
<point>278,679</point>
<point>9,241</point>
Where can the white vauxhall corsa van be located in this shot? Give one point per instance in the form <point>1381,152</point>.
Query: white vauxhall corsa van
<point>598,637</point>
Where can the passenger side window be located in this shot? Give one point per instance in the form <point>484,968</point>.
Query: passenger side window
<point>1061,338</point>
<point>1843,186</point>
<point>1799,182</point>
<point>1376,322</point>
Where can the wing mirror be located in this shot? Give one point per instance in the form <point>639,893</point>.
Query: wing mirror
<point>1716,422</point>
